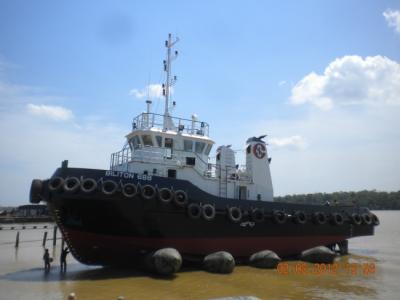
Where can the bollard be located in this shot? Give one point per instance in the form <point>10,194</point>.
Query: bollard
<point>54,235</point>
<point>17,240</point>
<point>44,239</point>
<point>72,296</point>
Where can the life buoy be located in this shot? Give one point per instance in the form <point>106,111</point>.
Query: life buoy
<point>180,198</point>
<point>109,187</point>
<point>56,183</point>
<point>208,212</point>
<point>234,214</point>
<point>375,220</point>
<point>194,211</point>
<point>129,190</point>
<point>366,218</point>
<point>71,184</point>
<point>337,218</point>
<point>148,192</point>
<point>319,218</point>
<point>257,215</point>
<point>355,219</point>
<point>279,216</point>
<point>88,185</point>
<point>165,195</point>
<point>299,217</point>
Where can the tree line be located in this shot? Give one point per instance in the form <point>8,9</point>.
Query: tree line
<point>371,199</point>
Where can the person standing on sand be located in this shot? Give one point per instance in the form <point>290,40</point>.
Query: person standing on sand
<point>63,259</point>
<point>46,258</point>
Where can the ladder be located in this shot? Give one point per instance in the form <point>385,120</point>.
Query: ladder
<point>223,183</point>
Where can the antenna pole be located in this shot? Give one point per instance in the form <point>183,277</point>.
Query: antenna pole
<point>167,68</point>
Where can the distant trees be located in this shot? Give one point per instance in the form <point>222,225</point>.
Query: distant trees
<point>371,199</point>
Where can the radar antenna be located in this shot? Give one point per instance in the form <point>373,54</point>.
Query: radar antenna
<point>170,81</point>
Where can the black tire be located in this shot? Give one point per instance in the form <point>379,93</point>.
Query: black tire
<point>279,217</point>
<point>235,214</point>
<point>109,187</point>
<point>337,219</point>
<point>375,220</point>
<point>55,183</point>
<point>129,190</point>
<point>180,198</point>
<point>36,191</point>
<point>194,211</point>
<point>88,185</point>
<point>71,185</point>
<point>356,219</point>
<point>148,192</point>
<point>320,218</point>
<point>257,215</point>
<point>299,217</point>
<point>165,195</point>
<point>208,212</point>
<point>366,218</point>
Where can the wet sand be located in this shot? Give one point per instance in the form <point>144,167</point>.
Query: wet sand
<point>372,271</point>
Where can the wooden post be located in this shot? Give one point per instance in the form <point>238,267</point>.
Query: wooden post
<point>54,235</point>
<point>44,238</point>
<point>17,240</point>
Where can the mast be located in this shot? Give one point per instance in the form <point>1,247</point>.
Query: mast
<point>169,82</point>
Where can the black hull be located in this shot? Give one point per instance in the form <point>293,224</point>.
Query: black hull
<point>111,229</point>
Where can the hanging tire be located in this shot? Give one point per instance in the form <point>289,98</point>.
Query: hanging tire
<point>208,212</point>
<point>180,198</point>
<point>129,190</point>
<point>356,219</point>
<point>109,187</point>
<point>234,214</point>
<point>56,183</point>
<point>165,195</point>
<point>319,218</point>
<point>299,217</point>
<point>36,191</point>
<point>194,211</point>
<point>88,185</point>
<point>71,185</point>
<point>257,215</point>
<point>337,219</point>
<point>148,192</point>
<point>375,220</point>
<point>279,216</point>
<point>366,218</point>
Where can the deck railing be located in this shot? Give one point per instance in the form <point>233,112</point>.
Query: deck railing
<point>151,120</point>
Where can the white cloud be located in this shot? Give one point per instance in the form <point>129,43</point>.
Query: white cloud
<point>392,18</point>
<point>282,82</point>
<point>351,80</point>
<point>153,91</point>
<point>295,141</point>
<point>56,113</point>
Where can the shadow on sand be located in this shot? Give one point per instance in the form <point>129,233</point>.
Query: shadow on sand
<point>77,272</point>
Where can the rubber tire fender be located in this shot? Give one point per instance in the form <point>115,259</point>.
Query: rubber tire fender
<point>180,198</point>
<point>208,208</point>
<point>92,185</point>
<point>129,190</point>
<point>231,211</point>
<point>148,192</point>
<point>71,185</point>
<point>194,211</point>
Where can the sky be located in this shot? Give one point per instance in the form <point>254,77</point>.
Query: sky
<point>320,78</point>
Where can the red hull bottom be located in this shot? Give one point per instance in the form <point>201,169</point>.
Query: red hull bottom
<point>105,249</point>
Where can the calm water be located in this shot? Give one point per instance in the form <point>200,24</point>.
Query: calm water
<point>372,271</point>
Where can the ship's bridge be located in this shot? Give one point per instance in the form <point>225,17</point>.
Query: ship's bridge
<point>165,141</point>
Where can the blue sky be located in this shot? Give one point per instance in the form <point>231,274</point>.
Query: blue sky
<point>321,78</point>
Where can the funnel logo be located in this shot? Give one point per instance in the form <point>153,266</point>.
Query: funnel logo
<point>259,150</point>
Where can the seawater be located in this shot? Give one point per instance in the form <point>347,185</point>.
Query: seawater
<point>371,271</point>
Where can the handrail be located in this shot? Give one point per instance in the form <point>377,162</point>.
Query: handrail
<point>150,120</point>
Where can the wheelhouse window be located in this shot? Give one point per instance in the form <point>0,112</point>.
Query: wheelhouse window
<point>147,140</point>
<point>188,145</point>
<point>135,142</point>
<point>159,140</point>
<point>169,143</point>
<point>208,149</point>
<point>199,147</point>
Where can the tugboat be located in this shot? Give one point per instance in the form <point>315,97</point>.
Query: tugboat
<point>162,190</point>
